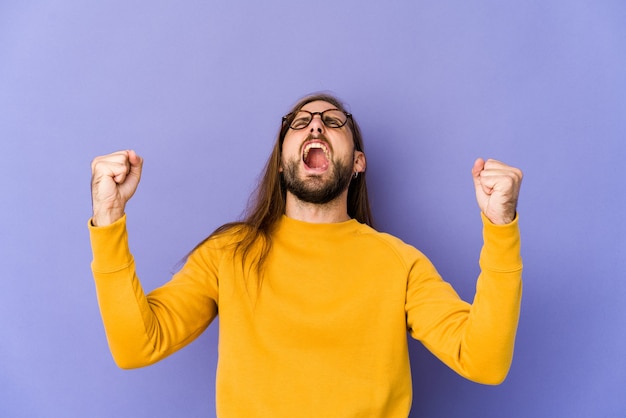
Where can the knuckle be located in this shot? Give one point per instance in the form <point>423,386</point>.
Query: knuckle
<point>96,164</point>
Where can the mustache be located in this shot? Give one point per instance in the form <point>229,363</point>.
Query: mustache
<point>316,137</point>
<point>319,136</point>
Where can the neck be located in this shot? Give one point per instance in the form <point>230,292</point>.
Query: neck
<point>331,212</point>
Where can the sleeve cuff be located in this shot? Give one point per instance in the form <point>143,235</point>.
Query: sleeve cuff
<point>502,246</point>
<point>109,245</point>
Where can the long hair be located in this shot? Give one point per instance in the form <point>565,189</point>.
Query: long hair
<point>267,204</point>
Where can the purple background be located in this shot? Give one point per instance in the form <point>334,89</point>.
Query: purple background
<point>198,89</point>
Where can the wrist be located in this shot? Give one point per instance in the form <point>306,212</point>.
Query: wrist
<point>105,218</point>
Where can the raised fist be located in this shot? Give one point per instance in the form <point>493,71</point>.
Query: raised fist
<point>114,179</point>
<point>497,189</point>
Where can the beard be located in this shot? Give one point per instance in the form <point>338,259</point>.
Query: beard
<point>315,189</point>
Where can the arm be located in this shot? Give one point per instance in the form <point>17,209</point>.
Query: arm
<point>476,340</point>
<point>141,329</point>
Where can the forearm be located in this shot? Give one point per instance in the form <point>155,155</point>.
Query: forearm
<point>127,319</point>
<point>487,345</point>
<point>123,304</point>
<point>474,340</point>
<point>141,329</point>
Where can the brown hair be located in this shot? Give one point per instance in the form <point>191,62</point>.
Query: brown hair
<point>267,204</point>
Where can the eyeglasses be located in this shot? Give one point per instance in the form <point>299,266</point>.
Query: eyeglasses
<point>332,118</point>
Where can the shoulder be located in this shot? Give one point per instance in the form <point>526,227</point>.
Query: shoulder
<point>224,240</point>
<point>384,241</point>
<point>227,235</point>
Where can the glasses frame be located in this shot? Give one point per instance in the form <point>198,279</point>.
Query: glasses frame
<point>292,115</point>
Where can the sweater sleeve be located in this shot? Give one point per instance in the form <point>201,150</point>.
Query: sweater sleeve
<point>143,329</point>
<point>475,340</point>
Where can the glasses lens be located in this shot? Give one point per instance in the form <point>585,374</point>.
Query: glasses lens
<point>334,118</point>
<point>301,120</point>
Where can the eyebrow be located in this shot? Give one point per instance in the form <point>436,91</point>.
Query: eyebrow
<point>319,111</point>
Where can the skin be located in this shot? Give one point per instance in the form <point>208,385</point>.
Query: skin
<point>115,178</point>
<point>497,189</point>
<point>341,148</point>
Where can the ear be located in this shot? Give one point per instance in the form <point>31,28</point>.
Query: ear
<point>360,163</point>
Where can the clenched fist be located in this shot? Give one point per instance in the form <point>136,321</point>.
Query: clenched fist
<point>114,179</point>
<point>497,189</point>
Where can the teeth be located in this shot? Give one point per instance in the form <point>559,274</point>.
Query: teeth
<point>319,145</point>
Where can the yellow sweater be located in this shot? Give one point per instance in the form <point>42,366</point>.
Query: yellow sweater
<point>326,336</point>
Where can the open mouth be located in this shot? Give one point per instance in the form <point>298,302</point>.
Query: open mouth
<point>316,155</point>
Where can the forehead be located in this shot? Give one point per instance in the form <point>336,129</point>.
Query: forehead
<point>318,106</point>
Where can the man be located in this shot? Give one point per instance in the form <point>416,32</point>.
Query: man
<point>314,304</point>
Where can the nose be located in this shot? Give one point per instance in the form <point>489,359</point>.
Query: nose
<point>317,125</point>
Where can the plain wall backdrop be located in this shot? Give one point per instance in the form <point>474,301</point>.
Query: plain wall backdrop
<point>198,89</point>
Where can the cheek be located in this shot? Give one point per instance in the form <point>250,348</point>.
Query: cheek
<point>290,149</point>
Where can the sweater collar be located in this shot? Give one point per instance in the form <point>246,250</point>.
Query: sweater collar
<point>290,225</point>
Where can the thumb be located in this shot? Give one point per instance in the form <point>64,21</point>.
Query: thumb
<point>479,164</point>
<point>136,164</point>
<point>477,169</point>
<point>128,185</point>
